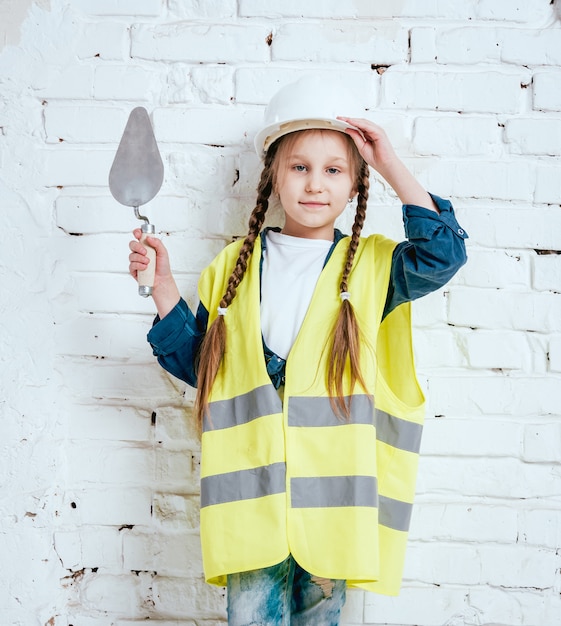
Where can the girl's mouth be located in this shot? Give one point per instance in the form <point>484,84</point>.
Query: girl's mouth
<point>314,205</point>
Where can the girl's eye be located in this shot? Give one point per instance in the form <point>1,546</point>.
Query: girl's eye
<point>332,170</point>
<point>300,168</point>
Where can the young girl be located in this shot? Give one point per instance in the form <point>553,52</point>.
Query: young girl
<point>301,353</point>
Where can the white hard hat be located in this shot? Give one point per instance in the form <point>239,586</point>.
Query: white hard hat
<point>310,102</point>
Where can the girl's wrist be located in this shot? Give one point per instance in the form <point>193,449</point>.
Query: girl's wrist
<point>166,297</point>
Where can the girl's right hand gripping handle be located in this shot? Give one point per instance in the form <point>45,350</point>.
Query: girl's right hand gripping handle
<point>146,277</point>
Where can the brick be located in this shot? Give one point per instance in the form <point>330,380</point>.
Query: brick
<point>89,548</point>
<point>519,228</point>
<point>113,594</point>
<point>112,382</point>
<point>102,463</point>
<point>517,606</point>
<point>489,91</point>
<point>423,45</point>
<point>533,47</point>
<point>103,40</point>
<point>185,41</point>
<point>146,8</point>
<point>176,511</point>
<point>504,566</point>
<point>542,443</point>
<point>497,349</point>
<point>497,268</point>
<point>439,348</point>
<point>169,554</point>
<point>517,11</point>
<point>195,9</point>
<point>125,83</point>
<point>340,42</point>
<point>209,84</point>
<point>466,522</point>
<point>75,167</point>
<point>548,189</point>
<point>110,506</point>
<point>477,395</point>
<point>72,82</point>
<point>176,425</point>
<point>213,84</point>
<point>547,96</point>
<point>466,45</point>
<point>540,527</point>
<point>416,604</point>
<point>455,135</point>
<point>492,478</point>
<point>463,437</point>
<point>211,126</point>
<point>547,272</point>
<point>534,136</point>
<point>104,337</point>
<point>176,470</point>
<point>501,180</point>
<point>205,167</point>
<point>84,124</point>
<point>112,423</point>
<point>430,310</point>
<point>491,308</point>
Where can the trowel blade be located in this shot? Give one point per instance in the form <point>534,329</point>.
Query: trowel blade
<point>137,171</point>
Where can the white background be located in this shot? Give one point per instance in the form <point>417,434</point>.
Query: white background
<point>99,457</point>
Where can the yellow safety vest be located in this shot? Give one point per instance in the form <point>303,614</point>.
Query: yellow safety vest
<point>280,478</point>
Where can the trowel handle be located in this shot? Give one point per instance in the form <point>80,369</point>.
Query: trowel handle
<point>146,277</point>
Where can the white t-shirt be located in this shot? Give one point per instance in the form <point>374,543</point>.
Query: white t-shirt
<point>291,268</point>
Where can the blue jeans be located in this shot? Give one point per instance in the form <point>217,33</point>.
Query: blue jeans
<point>284,595</point>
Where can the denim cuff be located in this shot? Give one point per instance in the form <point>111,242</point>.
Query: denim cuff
<point>421,223</point>
<point>172,332</point>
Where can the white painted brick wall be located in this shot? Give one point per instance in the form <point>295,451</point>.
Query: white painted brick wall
<point>99,464</point>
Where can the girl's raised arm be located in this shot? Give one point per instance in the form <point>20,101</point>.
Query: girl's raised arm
<point>376,149</point>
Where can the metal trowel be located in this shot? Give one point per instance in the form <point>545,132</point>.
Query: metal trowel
<point>135,178</point>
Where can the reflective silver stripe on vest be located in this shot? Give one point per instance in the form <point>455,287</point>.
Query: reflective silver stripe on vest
<point>330,491</point>
<point>309,412</point>
<point>397,432</point>
<point>394,513</point>
<point>243,484</point>
<point>316,412</point>
<point>242,409</point>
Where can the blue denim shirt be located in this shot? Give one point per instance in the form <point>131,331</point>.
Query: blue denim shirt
<point>433,253</point>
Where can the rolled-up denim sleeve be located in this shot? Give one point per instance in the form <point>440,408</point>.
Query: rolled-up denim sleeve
<point>176,340</point>
<point>434,252</point>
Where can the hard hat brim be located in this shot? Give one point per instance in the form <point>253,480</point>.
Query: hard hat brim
<point>271,133</point>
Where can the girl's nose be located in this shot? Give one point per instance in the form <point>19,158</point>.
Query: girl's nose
<point>314,183</point>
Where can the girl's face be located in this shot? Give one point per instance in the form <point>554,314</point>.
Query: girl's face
<point>315,177</point>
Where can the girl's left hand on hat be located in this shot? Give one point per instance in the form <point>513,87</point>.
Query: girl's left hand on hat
<point>372,143</point>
